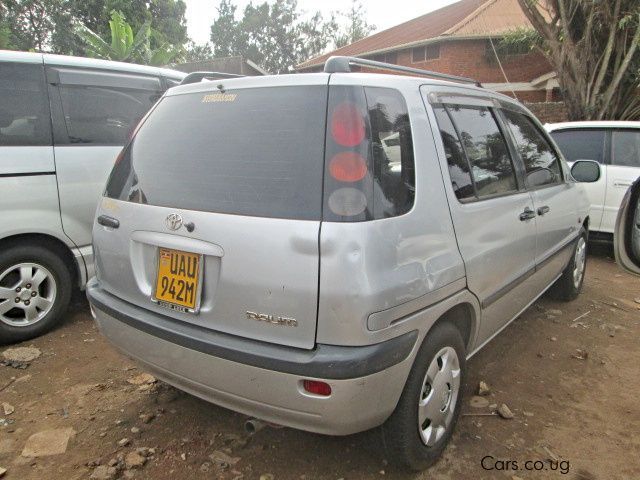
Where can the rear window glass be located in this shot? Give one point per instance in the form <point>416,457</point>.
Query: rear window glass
<point>256,152</point>
<point>581,144</point>
<point>24,106</point>
<point>486,150</point>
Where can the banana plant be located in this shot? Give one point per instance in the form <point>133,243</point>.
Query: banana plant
<point>125,46</point>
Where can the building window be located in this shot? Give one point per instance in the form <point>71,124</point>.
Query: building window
<point>389,57</point>
<point>424,53</point>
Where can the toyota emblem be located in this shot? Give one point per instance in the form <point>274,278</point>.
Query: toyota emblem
<point>173,221</point>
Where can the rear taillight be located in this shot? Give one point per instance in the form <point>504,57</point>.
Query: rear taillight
<point>348,167</point>
<point>349,178</point>
<point>347,125</point>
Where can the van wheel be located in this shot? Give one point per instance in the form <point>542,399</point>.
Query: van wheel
<point>569,285</point>
<point>421,425</point>
<point>35,289</point>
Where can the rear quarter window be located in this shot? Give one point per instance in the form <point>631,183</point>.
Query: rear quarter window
<point>24,106</point>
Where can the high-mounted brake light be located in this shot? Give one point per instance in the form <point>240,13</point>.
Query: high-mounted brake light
<point>317,388</point>
<point>347,125</point>
<point>348,167</point>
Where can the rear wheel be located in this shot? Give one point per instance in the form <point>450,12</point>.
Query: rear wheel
<point>422,424</point>
<point>569,285</point>
<point>35,288</point>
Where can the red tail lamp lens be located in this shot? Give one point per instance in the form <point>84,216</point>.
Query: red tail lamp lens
<point>347,125</point>
<point>317,388</point>
<point>348,167</point>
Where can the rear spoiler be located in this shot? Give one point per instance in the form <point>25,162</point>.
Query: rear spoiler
<point>195,77</point>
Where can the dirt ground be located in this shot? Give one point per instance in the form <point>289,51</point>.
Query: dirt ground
<point>569,372</point>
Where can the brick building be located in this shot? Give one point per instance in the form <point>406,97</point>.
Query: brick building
<point>461,39</point>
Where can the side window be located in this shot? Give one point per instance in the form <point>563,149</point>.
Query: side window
<point>486,150</point>
<point>24,106</point>
<point>102,115</point>
<point>626,148</point>
<point>392,148</point>
<point>458,165</point>
<point>581,144</point>
<point>541,164</point>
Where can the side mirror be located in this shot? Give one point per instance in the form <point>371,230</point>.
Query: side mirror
<point>626,237</point>
<point>586,171</point>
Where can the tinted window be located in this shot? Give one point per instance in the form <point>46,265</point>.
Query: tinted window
<point>581,144</point>
<point>24,106</point>
<point>626,148</point>
<point>458,165</point>
<point>392,149</point>
<point>486,150</point>
<point>102,115</point>
<point>249,152</point>
<point>540,161</point>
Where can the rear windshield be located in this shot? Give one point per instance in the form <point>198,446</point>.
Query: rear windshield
<point>256,152</point>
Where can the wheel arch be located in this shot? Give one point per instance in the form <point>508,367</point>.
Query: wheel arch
<point>50,242</point>
<point>463,317</point>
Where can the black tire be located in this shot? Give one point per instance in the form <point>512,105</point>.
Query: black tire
<point>402,438</point>
<point>62,277</point>
<point>566,288</point>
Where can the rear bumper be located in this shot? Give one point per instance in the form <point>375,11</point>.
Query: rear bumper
<point>260,379</point>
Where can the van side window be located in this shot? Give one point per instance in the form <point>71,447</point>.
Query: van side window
<point>486,150</point>
<point>626,148</point>
<point>24,106</point>
<point>392,148</point>
<point>540,161</point>
<point>102,115</point>
<point>587,144</point>
<point>458,166</point>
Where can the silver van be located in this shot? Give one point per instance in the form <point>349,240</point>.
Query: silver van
<point>63,121</point>
<point>259,246</point>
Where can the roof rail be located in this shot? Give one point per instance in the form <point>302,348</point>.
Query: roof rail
<point>338,64</point>
<point>195,77</point>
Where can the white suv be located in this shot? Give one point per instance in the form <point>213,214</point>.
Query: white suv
<point>615,146</point>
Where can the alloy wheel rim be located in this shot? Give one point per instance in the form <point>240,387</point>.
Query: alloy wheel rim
<point>438,396</point>
<point>580,259</point>
<point>27,294</point>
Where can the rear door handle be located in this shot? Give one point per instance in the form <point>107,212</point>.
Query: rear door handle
<point>528,214</point>
<point>544,209</point>
<point>108,221</point>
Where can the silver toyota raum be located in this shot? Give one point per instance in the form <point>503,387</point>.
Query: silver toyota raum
<point>326,250</point>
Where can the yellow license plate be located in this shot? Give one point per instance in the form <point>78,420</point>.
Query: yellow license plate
<point>177,282</point>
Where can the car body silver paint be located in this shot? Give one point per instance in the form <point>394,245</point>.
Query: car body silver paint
<point>377,278</point>
<point>61,204</point>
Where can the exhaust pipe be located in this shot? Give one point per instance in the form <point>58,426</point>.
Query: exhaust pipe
<point>253,426</point>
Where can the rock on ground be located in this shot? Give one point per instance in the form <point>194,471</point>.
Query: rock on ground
<point>48,442</point>
<point>103,472</point>
<point>505,412</point>
<point>134,460</point>
<point>21,354</point>
<point>142,379</point>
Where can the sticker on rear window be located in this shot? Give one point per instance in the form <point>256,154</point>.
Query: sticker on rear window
<point>219,97</point>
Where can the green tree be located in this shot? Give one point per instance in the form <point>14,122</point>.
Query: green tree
<point>272,35</point>
<point>48,25</point>
<point>194,52</point>
<point>124,45</point>
<point>594,48</point>
<point>356,25</point>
